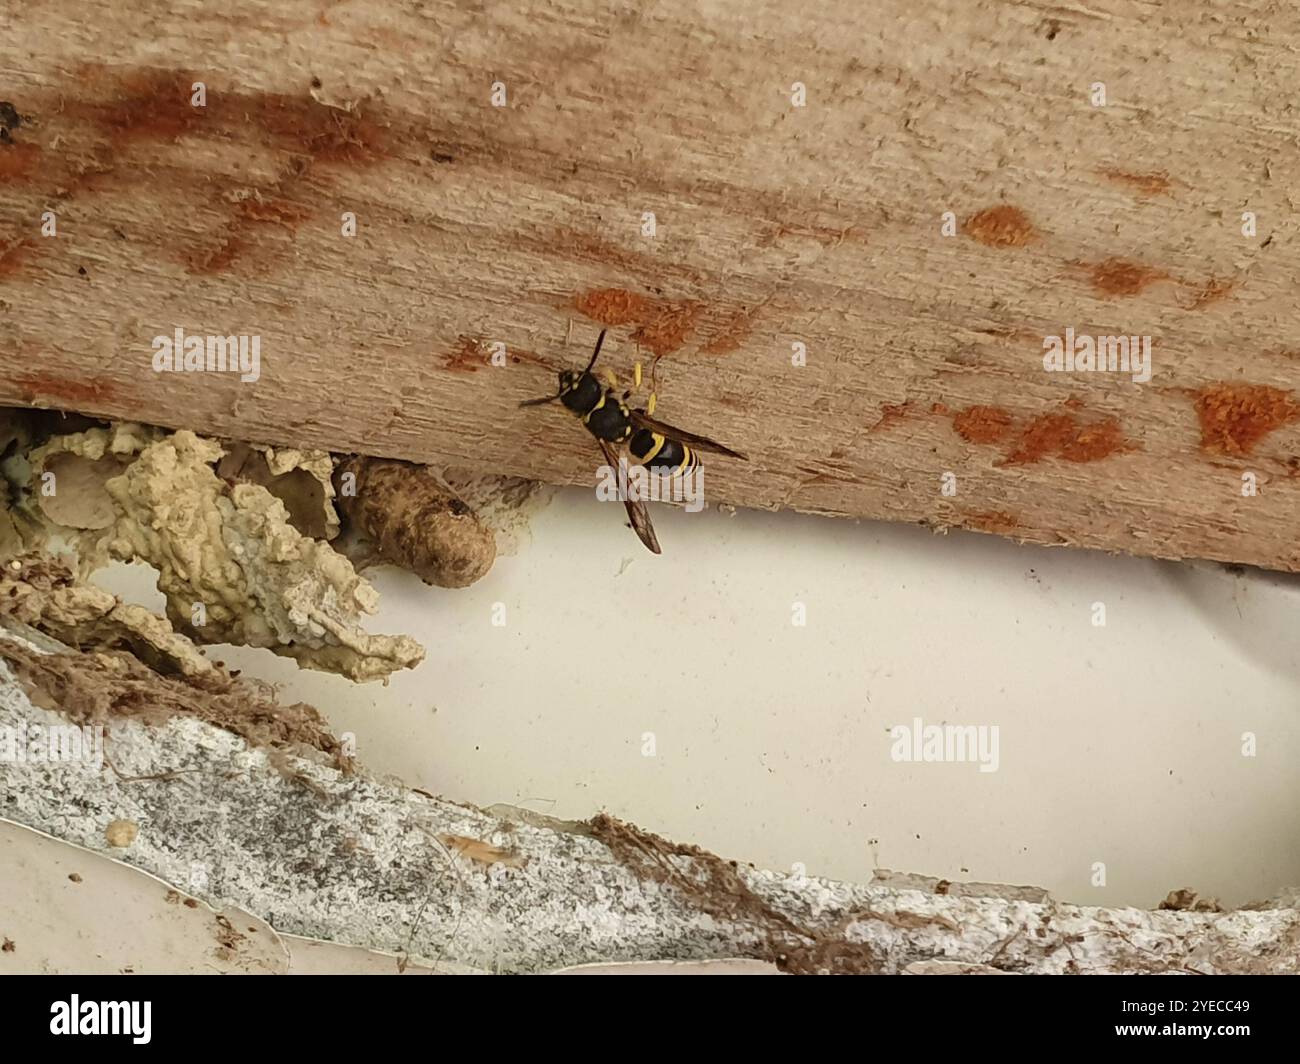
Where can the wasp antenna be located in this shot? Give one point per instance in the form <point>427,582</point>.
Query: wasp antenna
<point>596,353</point>
<point>539,402</point>
<point>654,373</point>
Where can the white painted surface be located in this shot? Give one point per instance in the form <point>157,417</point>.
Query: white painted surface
<point>1119,744</point>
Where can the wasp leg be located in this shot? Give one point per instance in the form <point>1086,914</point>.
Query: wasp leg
<point>611,379</point>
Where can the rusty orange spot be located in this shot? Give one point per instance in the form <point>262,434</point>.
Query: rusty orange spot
<point>611,306</point>
<point>12,255</point>
<point>327,134</point>
<point>518,354</point>
<point>1236,416</point>
<point>18,160</point>
<point>153,104</point>
<point>1153,184</point>
<point>1119,277</point>
<point>982,424</point>
<point>467,356</point>
<point>1062,436</point>
<point>668,327</point>
<point>273,210</point>
<point>996,521</point>
<point>889,414</point>
<point>49,386</point>
<point>1003,226</point>
<point>218,259</point>
<point>732,334</point>
<point>1211,292</point>
<point>150,104</point>
<point>662,326</point>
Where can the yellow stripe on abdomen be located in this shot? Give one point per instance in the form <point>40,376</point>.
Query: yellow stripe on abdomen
<point>646,458</point>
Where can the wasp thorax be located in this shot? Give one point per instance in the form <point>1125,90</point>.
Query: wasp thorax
<point>580,392</point>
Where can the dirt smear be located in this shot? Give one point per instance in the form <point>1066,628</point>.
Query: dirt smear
<point>715,887</point>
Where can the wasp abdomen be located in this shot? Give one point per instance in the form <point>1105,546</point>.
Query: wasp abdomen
<point>661,455</point>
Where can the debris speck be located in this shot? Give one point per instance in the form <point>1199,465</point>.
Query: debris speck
<point>121,833</point>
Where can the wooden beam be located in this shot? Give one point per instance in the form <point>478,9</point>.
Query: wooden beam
<point>775,225</point>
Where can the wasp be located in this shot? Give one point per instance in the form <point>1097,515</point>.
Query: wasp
<point>664,449</point>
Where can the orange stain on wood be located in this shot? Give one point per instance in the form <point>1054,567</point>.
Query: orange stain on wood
<point>1211,292</point>
<point>149,104</point>
<point>48,386</point>
<point>1003,226</point>
<point>998,522</point>
<point>1058,435</point>
<point>154,104</point>
<point>1235,416</point>
<point>326,134</point>
<point>518,354</point>
<point>982,424</point>
<point>668,327</point>
<point>13,254</point>
<point>273,210</point>
<point>1063,436</point>
<point>467,356</point>
<point>662,326</point>
<point>127,106</point>
<point>1152,184</point>
<point>231,243</point>
<point>890,414</point>
<point>18,160</point>
<point>218,259</point>
<point>732,334</point>
<point>1119,277</point>
<point>611,306</point>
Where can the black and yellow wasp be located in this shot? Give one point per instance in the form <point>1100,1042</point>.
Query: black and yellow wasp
<point>664,449</point>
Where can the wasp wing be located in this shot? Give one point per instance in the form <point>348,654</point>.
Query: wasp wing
<point>701,443</point>
<point>637,511</point>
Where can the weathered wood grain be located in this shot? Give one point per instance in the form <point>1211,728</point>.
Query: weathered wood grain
<point>819,225</point>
